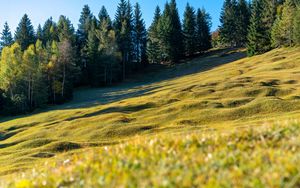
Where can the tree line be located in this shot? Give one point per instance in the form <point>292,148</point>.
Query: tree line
<point>41,67</point>
<point>259,25</point>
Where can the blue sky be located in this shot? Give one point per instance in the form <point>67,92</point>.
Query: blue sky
<point>39,10</point>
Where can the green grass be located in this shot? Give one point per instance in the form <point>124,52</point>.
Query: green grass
<point>211,95</point>
<point>265,156</point>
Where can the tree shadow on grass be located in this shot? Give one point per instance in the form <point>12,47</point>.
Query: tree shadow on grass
<point>143,83</point>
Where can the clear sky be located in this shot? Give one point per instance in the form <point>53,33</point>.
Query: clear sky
<point>40,10</point>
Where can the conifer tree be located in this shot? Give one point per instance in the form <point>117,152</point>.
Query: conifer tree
<point>282,32</point>
<point>242,22</point>
<point>84,25</point>
<point>256,31</point>
<point>203,35</point>
<point>49,32</point>
<point>153,50</point>
<point>139,37</point>
<point>170,33</point>
<point>124,28</point>
<point>6,37</point>
<point>296,27</point>
<point>189,30</point>
<point>268,18</point>
<point>25,33</point>
<point>164,34</point>
<point>92,53</point>
<point>109,66</point>
<point>176,35</point>
<point>228,22</point>
<point>39,33</point>
<point>104,16</point>
<point>65,30</point>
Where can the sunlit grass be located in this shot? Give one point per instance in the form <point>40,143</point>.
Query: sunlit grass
<point>265,156</point>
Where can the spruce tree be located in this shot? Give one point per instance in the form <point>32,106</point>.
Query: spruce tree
<point>93,55</point>
<point>268,18</point>
<point>170,34</point>
<point>50,32</point>
<point>139,37</point>
<point>65,30</point>
<point>189,30</point>
<point>176,35</point>
<point>296,27</point>
<point>153,50</point>
<point>203,35</point>
<point>84,25</point>
<point>256,31</point>
<point>104,16</point>
<point>242,22</point>
<point>6,37</point>
<point>282,32</point>
<point>124,28</point>
<point>108,63</point>
<point>164,29</point>
<point>25,33</point>
<point>39,33</point>
<point>228,23</point>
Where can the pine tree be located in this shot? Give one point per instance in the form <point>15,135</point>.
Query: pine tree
<point>92,53</point>
<point>176,37</point>
<point>153,50</point>
<point>256,31</point>
<point>164,32</point>
<point>25,33</point>
<point>6,37</point>
<point>203,35</point>
<point>189,30</point>
<point>170,34</point>
<point>282,32</point>
<point>242,22</point>
<point>39,33</point>
<point>228,21</point>
<point>139,37</point>
<point>124,28</point>
<point>268,18</point>
<point>49,32</point>
<point>84,25</point>
<point>65,30</point>
<point>104,16</point>
<point>296,27</point>
<point>108,63</point>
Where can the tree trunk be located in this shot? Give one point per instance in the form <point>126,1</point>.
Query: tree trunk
<point>64,80</point>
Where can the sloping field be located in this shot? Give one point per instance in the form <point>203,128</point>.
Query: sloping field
<point>212,94</point>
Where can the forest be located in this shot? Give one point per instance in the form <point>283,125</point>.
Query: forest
<point>42,67</point>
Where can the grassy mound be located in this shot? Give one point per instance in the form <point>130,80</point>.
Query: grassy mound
<point>216,92</point>
<point>262,157</point>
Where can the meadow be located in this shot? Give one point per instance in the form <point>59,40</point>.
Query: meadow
<point>222,120</point>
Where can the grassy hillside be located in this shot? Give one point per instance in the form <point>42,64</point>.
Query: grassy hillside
<point>212,94</point>
<point>266,156</point>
